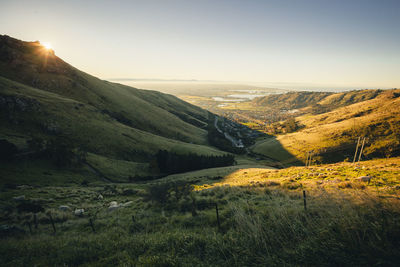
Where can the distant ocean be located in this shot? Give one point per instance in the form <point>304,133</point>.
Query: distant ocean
<point>276,85</point>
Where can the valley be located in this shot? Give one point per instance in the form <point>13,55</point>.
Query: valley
<point>329,124</point>
<point>97,173</point>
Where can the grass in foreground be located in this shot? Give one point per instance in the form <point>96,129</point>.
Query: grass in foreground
<point>260,223</point>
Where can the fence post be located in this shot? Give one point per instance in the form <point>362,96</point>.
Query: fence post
<point>194,213</point>
<point>52,223</point>
<point>362,147</point>
<point>308,158</point>
<point>134,227</point>
<point>35,221</point>
<point>91,225</point>
<point>30,227</point>
<point>355,154</point>
<point>216,210</point>
<point>305,200</point>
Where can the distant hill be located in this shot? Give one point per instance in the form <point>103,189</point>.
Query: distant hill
<point>44,98</point>
<point>332,132</point>
<point>318,102</point>
<point>291,100</point>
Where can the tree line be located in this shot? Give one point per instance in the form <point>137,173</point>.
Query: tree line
<point>171,162</point>
<point>60,152</point>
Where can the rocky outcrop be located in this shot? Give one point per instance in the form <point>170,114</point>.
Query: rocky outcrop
<point>18,104</point>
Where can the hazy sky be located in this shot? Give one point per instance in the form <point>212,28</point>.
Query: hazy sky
<point>328,43</point>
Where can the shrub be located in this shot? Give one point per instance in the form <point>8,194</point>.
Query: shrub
<point>158,192</point>
<point>27,206</point>
<point>291,185</point>
<point>129,192</point>
<point>272,183</point>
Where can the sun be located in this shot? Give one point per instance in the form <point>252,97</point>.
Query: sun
<point>47,45</point>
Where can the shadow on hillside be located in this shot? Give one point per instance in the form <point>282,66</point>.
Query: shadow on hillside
<point>271,149</point>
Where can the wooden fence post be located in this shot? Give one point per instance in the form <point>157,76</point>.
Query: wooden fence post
<point>308,152</point>
<point>216,210</point>
<point>92,225</point>
<point>194,213</point>
<point>30,227</point>
<point>305,200</point>
<point>52,223</point>
<point>362,147</point>
<point>355,154</point>
<point>135,225</point>
<point>35,221</point>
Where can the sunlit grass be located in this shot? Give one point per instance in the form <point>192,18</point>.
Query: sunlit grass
<point>384,173</point>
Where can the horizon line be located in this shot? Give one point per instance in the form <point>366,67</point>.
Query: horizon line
<point>285,85</point>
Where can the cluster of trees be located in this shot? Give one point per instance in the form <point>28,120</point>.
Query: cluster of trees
<point>162,192</point>
<point>170,162</point>
<point>60,152</point>
<point>288,126</point>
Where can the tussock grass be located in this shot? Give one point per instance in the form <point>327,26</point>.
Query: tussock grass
<point>384,177</point>
<point>260,224</point>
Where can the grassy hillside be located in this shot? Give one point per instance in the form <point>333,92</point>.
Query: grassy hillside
<point>347,98</point>
<point>333,135</point>
<point>383,177</point>
<point>315,101</point>
<point>262,220</point>
<point>43,98</point>
<point>291,100</point>
<point>30,64</point>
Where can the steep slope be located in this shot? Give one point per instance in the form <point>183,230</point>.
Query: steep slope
<point>31,64</point>
<point>45,113</point>
<point>44,101</point>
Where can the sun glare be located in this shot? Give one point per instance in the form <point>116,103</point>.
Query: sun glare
<point>47,45</point>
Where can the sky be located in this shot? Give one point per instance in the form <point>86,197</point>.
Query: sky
<point>309,43</point>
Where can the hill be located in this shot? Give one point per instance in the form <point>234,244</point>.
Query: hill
<point>44,100</point>
<point>291,100</point>
<point>332,135</point>
<point>319,102</point>
<point>31,64</point>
